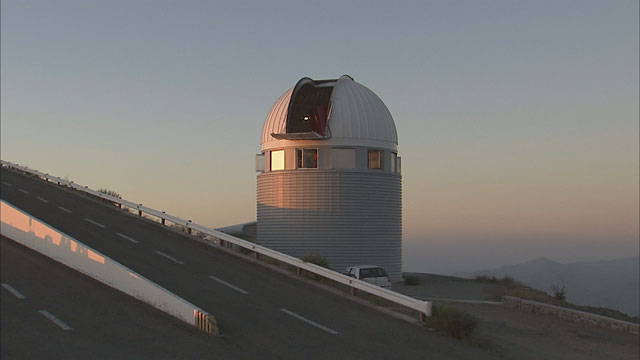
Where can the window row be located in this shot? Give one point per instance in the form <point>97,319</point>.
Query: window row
<point>342,158</point>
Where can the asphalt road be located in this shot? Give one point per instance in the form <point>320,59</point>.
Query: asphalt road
<point>48,310</point>
<point>262,313</point>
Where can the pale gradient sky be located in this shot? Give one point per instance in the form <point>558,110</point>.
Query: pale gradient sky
<point>517,121</point>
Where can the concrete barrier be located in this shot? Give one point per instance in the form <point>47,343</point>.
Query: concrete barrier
<point>25,229</point>
<point>572,315</point>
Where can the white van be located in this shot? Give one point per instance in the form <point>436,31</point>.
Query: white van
<point>370,273</point>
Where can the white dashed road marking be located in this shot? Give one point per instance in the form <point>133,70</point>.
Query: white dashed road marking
<point>55,320</point>
<point>169,257</point>
<point>23,191</point>
<point>15,292</point>
<point>310,322</point>
<point>126,237</point>
<point>93,222</point>
<point>42,199</point>
<point>65,210</point>
<point>227,284</point>
<point>6,183</point>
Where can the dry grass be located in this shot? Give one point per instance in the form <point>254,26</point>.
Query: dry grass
<point>109,192</point>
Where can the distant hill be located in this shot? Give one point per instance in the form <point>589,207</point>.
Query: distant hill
<point>612,283</point>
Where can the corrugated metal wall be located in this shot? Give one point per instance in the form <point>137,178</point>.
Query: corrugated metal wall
<point>348,217</point>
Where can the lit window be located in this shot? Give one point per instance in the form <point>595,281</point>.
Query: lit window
<point>307,158</point>
<point>277,160</point>
<point>376,159</point>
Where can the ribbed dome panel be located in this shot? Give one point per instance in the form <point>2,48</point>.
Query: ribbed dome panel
<point>356,113</point>
<point>276,120</point>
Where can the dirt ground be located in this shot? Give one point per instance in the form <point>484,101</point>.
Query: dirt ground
<point>447,287</point>
<point>520,335</point>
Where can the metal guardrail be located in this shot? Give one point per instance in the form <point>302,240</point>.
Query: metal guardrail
<point>423,307</point>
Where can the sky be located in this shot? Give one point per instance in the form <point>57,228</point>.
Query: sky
<point>517,120</point>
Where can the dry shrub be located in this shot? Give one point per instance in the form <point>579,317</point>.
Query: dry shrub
<point>412,281</point>
<point>453,322</point>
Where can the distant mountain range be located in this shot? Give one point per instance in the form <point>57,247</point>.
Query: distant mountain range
<point>612,283</point>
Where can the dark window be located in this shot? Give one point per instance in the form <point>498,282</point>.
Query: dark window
<point>376,159</point>
<point>372,273</point>
<point>365,273</point>
<point>309,107</point>
<point>307,158</point>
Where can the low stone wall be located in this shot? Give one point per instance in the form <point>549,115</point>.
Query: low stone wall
<point>572,315</point>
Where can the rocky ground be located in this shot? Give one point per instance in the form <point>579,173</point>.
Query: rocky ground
<point>521,335</point>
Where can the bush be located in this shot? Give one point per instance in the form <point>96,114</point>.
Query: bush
<point>316,259</point>
<point>109,192</point>
<point>559,292</point>
<point>505,281</point>
<point>453,322</point>
<point>486,278</point>
<point>411,280</point>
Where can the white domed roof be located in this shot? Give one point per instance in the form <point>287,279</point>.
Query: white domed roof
<point>357,117</point>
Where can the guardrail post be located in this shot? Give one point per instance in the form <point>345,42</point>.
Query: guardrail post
<point>354,291</point>
<point>298,271</point>
<point>423,317</point>
<point>221,242</point>
<point>163,219</point>
<point>188,228</point>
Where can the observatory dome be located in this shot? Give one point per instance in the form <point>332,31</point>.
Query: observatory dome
<point>340,112</point>
<point>329,176</point>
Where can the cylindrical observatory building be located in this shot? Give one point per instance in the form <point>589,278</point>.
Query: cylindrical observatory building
<point>329,178</point>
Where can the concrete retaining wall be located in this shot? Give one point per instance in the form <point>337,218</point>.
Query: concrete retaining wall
<point>39,236</point>
<point>570,314</point>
